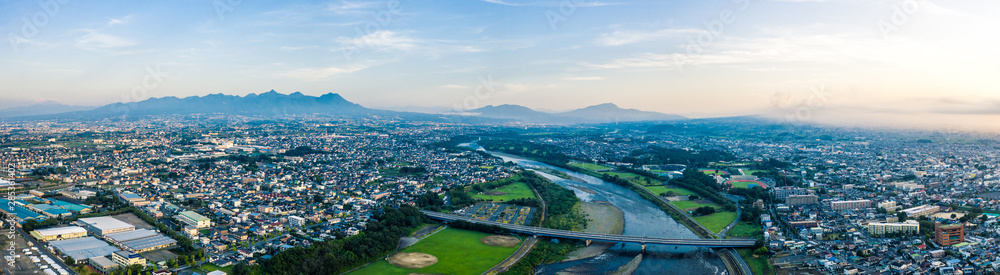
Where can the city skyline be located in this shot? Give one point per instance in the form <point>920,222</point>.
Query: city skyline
<point>901,62</point>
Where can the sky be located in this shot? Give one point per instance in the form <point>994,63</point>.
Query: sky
<point>905,61</point>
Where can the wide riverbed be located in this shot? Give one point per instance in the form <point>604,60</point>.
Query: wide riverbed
<point>642,218</point>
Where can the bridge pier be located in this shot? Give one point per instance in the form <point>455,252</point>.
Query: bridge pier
<point>588,242</point>
<point>643,248</point>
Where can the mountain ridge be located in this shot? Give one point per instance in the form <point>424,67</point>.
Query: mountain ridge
<point>272,103</point>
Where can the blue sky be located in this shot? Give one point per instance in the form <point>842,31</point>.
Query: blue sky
<point>695,58</point>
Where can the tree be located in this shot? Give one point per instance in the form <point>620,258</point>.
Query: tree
<point>241,269</point>
<point>760,251</point>
<point>953,215</point>
<point>901,215</point>
<point>70,261</point>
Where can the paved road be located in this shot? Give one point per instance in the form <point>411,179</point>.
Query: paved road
<point>538,231</point>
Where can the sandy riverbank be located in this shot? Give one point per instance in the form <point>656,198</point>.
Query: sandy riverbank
<point>603,218</point>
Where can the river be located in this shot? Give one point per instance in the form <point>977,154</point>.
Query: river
<point>642,218</point>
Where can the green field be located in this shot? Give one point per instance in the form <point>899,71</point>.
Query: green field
<point>660,189</point>
<point>716,222</point>
<point>759,265</point>
<point>213,267</point>
<point>513,191</point>
<point>750,172</point>
<point>589,166</point>
<point>746,184</point>
<point>458,252</point>
<point>745,230</point>
<point>684,205</point>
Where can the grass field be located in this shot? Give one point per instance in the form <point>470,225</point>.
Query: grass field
<point>759,265</point>
<point>716,222</point>
<point>750,172</point>
<point>513,191</point>
<point>458,252</point>
<point>745,230</point>
<point>213,267</point>
<point>660,189</point>
<point>589,166</point>
<point>685,205</point>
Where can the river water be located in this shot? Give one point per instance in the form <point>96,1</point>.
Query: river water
<point>642,218</point>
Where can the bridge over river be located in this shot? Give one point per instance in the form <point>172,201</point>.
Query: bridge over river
<point>565,234</point>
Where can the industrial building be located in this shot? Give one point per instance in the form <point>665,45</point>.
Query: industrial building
<point>125,258</point>
<point>102,264</point>
<point>59,233</point>
<point>194,219</point>
<point>141,240</point>
<point>84,248</point>
<point>101,226</point>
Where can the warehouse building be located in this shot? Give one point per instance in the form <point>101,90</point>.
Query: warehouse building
<point>141,240</point>
<point>59,233</point>
<point>101,226</point>
<point>194,219</point>
<point>102,264</point>
<point>84,248</point>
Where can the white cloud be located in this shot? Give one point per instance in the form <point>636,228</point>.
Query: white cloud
<point>116,21</point>
<point>350,7</point>
<point>97,40</point>
<point>624,37</point>
<point>316,74</point>
<point>383,39</point>
<point>551,3</point>
<point>584,78</point>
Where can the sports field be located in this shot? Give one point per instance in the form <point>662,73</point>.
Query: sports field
<point>457,252</point>
<point>513,191</point>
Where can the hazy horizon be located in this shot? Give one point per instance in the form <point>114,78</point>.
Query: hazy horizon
<point>897,63</point>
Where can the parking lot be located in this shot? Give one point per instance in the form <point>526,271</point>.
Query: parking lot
<point>22,262</point>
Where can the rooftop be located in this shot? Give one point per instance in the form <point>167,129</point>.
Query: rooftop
<point>193,215</point>
<point>84,248</point>
<point>105,223</point>
<point>61,231</point>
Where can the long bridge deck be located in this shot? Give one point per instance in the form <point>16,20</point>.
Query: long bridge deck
<point>564,234</point>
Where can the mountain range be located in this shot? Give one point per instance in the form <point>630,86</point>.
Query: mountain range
<point>44,108</point>
<point>276,104</point>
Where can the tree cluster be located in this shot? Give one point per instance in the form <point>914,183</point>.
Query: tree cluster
<point>337,256</point>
